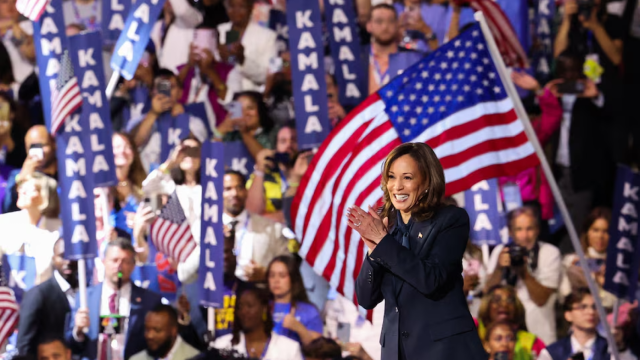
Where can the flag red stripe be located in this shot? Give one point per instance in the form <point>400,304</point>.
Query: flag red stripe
<point>483,148</point>
<point>470,127</point>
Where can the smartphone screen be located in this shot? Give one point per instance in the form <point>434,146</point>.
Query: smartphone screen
<point>344,332</point>
<point>36,151</point>
<point>163,86</point>
<point>235,110</point>
<point>571,87</point>
<point>232,37</point>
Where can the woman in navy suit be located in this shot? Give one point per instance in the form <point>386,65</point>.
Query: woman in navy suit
<point>414,262</point>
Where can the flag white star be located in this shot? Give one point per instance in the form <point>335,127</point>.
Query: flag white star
<point>405,79</point>
<point>389,93</point>
<point>474,55</point>
<point>394,108</point>
<point>431,87</point>
<point>412,97</point>
<point>475,33</point>
<point>461,54</point>
<point>447,98</point>
<point>424,74</point>
<point>438,76</point>
<point>400,97</point>
<point>485,61</point>
<point>479,91</point>
<point>480,46</point>
<point>473,78</point>
<point>421,65</point>
<point>419,109</point>
<point>431,110</point>
<point>492,75</point>
<point>413,121</point>
<point>466,88</point>
<point>450,54</point>
<point>443,108</point>
<point>457,43</point>
<point>425,98</point>
<point>436,98</point>
<point>418,86</point>
<point>449,76</point>
<point>400,119</point>
<point>432,63</point>
<point>485,82</point>
<point>467,66</point>
<point>406,108</point>
<point>407,132</point>
<point>443,65</point>
<point>454,87</point>
<point>442,87</point>
<point>496,90</point>
<point>425,121</point>
<point>468,43</point>
<point>479,68</point>
<point>460,98</point>
<point>460,76</point>
<point>454,65</point>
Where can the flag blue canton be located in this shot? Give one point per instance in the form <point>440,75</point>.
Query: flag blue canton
<point>172,211</point>
<point>66,71</point>
<point>458,75</point>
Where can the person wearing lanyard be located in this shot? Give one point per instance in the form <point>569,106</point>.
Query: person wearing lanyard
<point>87,13</point>
<point>269,180</point>
<point>252,334</point>
<point>580,312</point>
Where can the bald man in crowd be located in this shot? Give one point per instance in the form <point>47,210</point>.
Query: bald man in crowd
<point>41,157</point>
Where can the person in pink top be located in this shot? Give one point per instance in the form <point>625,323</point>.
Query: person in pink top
<point>532,182</point>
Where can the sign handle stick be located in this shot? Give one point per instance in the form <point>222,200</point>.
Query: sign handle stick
<point>106,226</point>
<point>522,114</point>
<point>111,86</point>
<point>82,282</point>
<point>211,319</point>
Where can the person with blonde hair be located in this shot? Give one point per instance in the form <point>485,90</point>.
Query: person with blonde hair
<point>33,230</point>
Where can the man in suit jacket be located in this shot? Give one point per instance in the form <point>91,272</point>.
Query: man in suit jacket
<point>257,239</point>
<point>580,311</point>
<point>45,309</point>
<point>162,339</point>
<point>105,299</point>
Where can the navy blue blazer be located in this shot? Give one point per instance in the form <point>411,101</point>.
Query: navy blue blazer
<point>426,309</point>
<point>142,301</point>
<point>562,350</point>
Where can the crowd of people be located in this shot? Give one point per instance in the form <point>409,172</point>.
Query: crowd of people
<point>531,304</point>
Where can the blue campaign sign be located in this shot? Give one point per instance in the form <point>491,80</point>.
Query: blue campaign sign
<point>211,237</point>
<point>172,131</point>
<point>134,38</point>
<point>86,57</point>
<point>278,23</point>
<point>542,58</point>
<point>238,158</point>
<point>307,72</point>
<point>146,277</point>
<point>76,189</point>
<point>351,76</point>
<point>200,111</point>
<point>512,196</point>
<point>49,39</point>
<point>113,14</point>
<point>481,203</point>
<point>621,277</point>
<point>20,271</point>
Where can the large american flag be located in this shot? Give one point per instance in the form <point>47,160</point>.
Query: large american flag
<point>9,312</point>
<point>66,97</point>
<point>171,233</point>
<point>502,30</point>
<point>454,101</point>
<point>31,9</point>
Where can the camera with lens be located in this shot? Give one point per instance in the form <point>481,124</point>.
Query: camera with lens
<point>585,7</point>
<point>517,254</point>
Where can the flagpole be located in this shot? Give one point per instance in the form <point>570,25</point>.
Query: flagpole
<point>573,234</point>
<point>113,81</point>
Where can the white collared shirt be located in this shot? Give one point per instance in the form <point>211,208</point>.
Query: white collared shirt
<point>175,346</point>
<point>66,289</point>
<point>586,349</point>
<point>124,303</point>
<point>243,244</point>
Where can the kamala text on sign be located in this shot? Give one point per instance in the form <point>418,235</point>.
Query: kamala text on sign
<point>481,203</point>
<point>621,276</point>
<point>345,50</point>
<point>307,70</point>
<point>113,13</point>
<point>49,40</point>
<point>211,237</point>
<point>86,56</point>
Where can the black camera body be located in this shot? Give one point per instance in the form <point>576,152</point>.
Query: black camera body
<point>517,254</point>
<point>585,7</point>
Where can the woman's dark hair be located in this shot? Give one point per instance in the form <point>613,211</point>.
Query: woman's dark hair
<point>6,69</point>
<point>298,292</point>
<point>136,171</point>
<point>177,174</point>
<point>497,324</point>
<point>264,300</point>
<point>322,348</point>
<point>595,214</point>
<point>431,173</point>
<point>266,122</point>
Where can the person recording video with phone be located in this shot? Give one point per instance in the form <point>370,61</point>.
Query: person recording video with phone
<point>533,267</point>
<point>167,93</point>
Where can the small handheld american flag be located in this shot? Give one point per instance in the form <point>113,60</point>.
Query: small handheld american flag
<point>454,101</point>
<point>9,312</point>
<point>66,97</point>
<point>32,9</point>
<point>171,233</point>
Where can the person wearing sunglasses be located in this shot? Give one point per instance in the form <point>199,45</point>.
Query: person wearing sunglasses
<point>580,312</point>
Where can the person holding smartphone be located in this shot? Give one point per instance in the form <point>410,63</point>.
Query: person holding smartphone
<point>247,45</point>
<point>584,342</point>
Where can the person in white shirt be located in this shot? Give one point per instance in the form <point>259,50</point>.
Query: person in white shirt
<point>246,44</point>
<point>161,335</point>
<point>533,267</point>
<point>580,312</point>
<point>116,295</point>
<point>252,331</point>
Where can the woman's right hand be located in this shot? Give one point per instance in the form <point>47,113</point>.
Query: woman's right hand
<point>570,9</point>
<point>264,160</point>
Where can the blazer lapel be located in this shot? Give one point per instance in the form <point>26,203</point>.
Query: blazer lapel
<point>417,239</point>
<point>135,309</point>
